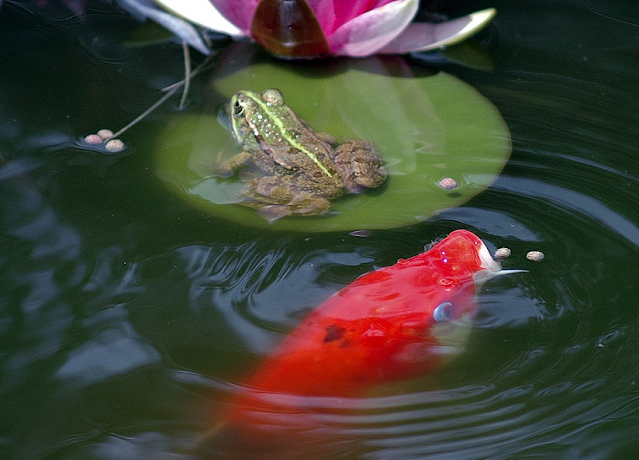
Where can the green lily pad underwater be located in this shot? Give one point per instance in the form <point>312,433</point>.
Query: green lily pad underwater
<point>426,128</point>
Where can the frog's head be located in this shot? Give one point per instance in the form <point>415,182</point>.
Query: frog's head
<point>246,105</point>
<point>241,104</point>
<point>246,102</point>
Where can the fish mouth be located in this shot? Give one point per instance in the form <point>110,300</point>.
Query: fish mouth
<point>491,267</point>
<point>487,261</point>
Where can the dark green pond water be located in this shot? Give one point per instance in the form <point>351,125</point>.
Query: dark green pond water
<point>127,316</point>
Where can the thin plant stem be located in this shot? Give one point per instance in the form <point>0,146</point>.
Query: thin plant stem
<point>194,73</point>
<point>170,90</point>
<point>140,117</point>
<point>187,75</point>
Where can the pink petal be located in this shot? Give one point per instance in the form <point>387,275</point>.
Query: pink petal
<point>425,36</point>
<point>239,12</point>
<point>199,12</point>
<point>332,14</point>
<point>325,12</point>
<point>368,32</point>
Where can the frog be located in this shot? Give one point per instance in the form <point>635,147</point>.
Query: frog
<point>301,170</point>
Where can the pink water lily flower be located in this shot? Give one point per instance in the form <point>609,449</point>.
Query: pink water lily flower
<point>314,28</point>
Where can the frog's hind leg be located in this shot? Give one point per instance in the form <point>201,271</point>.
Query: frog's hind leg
<point>277,196</point>
<point>298,207</point>
<point>360,165</point>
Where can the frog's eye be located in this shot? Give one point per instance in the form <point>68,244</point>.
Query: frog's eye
<point>443,312</point>
<point>272,97</point>
<point>238,108</point>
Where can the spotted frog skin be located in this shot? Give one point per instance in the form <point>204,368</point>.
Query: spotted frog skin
<point>302,169</point>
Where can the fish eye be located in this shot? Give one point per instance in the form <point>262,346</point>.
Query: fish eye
<point>443,312</point>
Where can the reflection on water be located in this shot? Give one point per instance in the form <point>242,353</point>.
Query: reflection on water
<point>128,318</point>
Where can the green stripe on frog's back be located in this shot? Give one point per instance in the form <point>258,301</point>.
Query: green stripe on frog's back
<point>281,128</point>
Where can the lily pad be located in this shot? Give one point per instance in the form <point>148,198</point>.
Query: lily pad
<point>426,127</point>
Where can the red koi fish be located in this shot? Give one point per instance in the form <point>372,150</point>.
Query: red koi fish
<point>395,323</point>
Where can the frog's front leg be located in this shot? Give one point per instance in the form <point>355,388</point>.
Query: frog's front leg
<point>228,167</point>
<point>279,196</point>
